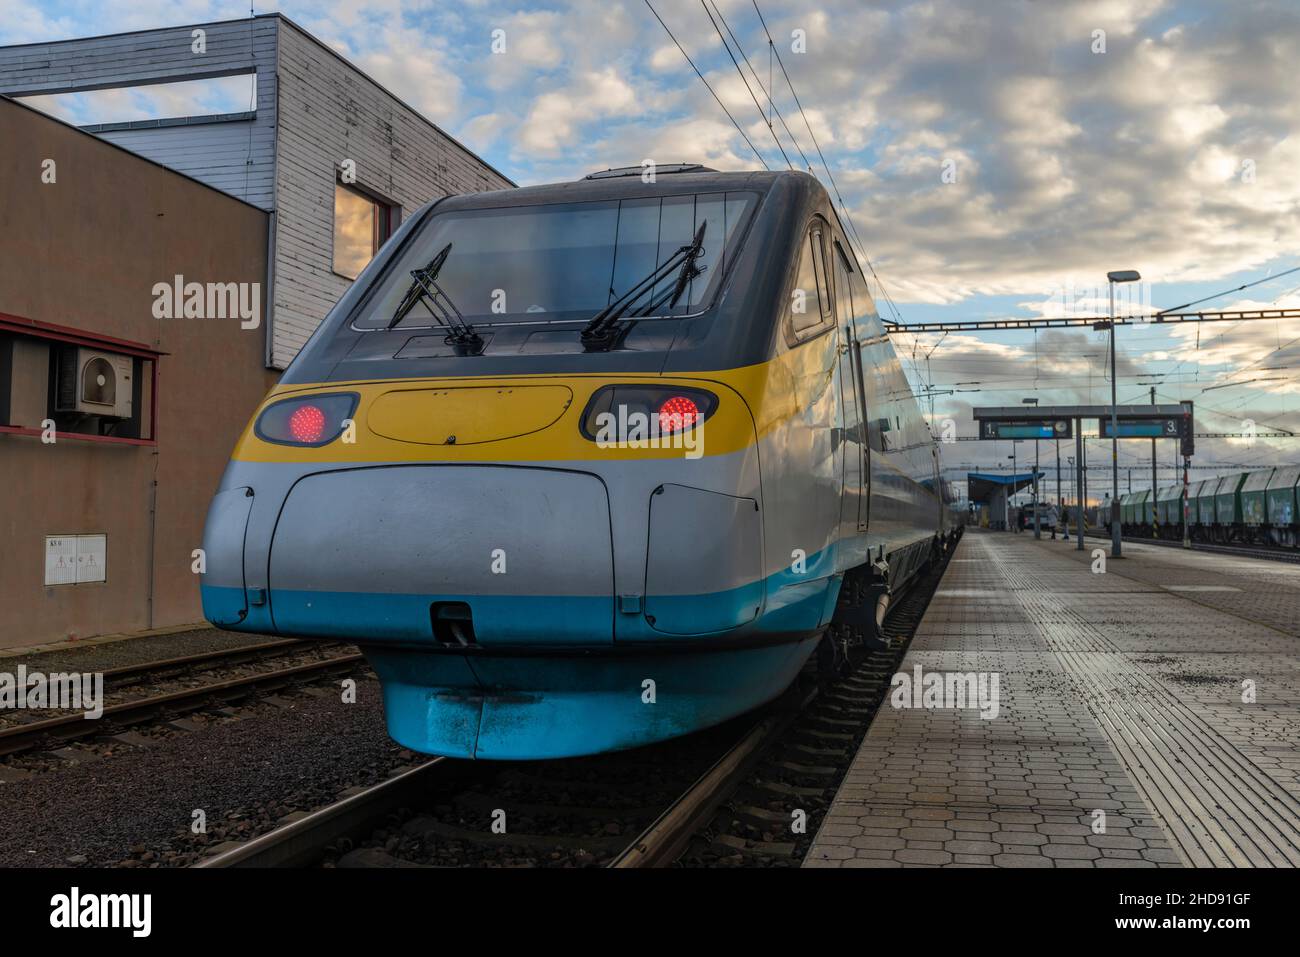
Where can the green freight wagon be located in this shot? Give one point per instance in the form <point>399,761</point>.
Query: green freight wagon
<point>1205,514</point>
<point>1169,506</point>
<point>1280,499</point>
<point>1227,501</point>
<point>1194,499</point>
<point>1253,511</point>
<point>1126,508</point>
<point>1142,508</point>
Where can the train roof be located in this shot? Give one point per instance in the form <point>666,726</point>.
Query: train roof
<point>628,186</point>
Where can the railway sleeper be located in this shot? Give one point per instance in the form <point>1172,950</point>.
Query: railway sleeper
<point>783,791</point>
<point>476,801</point>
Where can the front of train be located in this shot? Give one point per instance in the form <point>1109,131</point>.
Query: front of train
<point>517,465</point>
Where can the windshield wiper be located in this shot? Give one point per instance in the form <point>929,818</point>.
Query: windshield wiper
<point>424,288</point>
<point>602,331</point>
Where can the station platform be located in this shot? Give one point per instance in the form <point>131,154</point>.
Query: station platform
<point>1146,716</point>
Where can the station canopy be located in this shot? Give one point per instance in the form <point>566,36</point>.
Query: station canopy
<point>981,486</point>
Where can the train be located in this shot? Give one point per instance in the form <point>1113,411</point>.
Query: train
<point>585,466</point>
<point>1248,508</point>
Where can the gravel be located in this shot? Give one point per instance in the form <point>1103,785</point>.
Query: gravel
<point>135,807</point>
<point>132,651</point>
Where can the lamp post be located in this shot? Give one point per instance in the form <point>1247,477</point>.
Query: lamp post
<point>1121,275</point>
<point>1012,489</point>
<point>1060,501</point>
<point>1074,489</point>
<point>1037,533</point>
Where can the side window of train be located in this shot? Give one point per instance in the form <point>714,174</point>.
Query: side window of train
<point>810,303</point>
<point>843,297</point>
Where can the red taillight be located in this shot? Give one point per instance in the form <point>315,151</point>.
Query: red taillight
<point>314,421</point>
<point>678,413</point>
<point>307,424</point>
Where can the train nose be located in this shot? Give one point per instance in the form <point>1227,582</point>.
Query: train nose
<point>445,554</point>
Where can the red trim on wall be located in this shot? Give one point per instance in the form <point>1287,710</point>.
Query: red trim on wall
<point>78,436</point>
<point>153,405</point>
<point>48,330</point>
<point>80,337</point>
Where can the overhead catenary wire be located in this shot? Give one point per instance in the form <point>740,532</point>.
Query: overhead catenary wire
<point>848,219</point>
<point>708,86</point>
<point>1226,292</point>
<point>743,79</point>
<point>773,109</point>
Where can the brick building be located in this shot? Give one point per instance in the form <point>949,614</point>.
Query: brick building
<point>182,261</point>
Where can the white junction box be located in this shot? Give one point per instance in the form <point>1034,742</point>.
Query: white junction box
<point>76,559</point>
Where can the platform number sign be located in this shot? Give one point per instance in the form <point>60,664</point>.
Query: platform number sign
<point>1169,427</point>
<point>1026,429</point>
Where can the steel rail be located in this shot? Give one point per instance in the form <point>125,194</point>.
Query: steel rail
<point>69,727</point>
<point>206,657</point>
<point>1262,552</point>
<point>300,842</point>
<point>664,840</point>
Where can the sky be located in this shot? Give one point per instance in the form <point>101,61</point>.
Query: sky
<point>996,158</point>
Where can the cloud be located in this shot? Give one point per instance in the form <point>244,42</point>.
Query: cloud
<point>1174,152</point>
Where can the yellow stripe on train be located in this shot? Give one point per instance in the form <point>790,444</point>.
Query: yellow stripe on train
<point>509,418</point>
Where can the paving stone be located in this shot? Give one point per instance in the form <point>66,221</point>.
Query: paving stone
<point>1161,856</point>
<point>880,843</point>
<point>840,830</point>
<point>926,834</point>
<point>973,847</point>
<point>922,857</point>
<point>1026,838</point>
<point>1116,840</point>
<point>1017,817</point>
<point>1116,862</point>
<point>1021,860</point>
<point>1058,829</point>
<point>873,854</point>
<point>864,862</point>
<point>1022,789</point>
<point>1075,852</point>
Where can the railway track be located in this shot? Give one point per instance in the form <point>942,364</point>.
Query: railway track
<point>64,728</point>
<point>1243,551</point>
<point>789,756</point>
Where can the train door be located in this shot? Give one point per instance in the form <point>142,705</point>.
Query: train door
<point>857,471</point>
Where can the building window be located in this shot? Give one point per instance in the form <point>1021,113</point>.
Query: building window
<point>361,225</point>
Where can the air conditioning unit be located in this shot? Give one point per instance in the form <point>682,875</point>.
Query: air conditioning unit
<point>94,383</point>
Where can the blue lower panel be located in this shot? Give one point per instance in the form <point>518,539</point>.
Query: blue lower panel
<point>224,606</point>
<point>514,708</point>
<point>535,619</point>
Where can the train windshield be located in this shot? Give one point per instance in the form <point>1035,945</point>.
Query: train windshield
<point>555,263</point>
